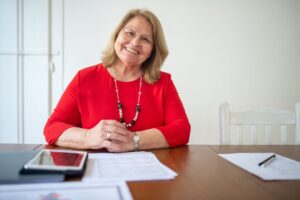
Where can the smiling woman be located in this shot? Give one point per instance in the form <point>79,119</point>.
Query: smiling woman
<point>95,110</point>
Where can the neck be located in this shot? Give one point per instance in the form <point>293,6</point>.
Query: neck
<point>125,73</point>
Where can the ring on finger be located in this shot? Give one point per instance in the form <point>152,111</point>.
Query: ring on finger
<point>108,136</point>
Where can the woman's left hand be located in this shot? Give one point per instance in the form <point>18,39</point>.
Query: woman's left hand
<point>121,146</point>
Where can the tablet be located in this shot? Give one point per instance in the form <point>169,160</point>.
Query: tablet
<point>60,161</point>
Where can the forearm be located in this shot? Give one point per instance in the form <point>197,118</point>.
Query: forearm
<point>151,139</point>
<point>73,138</point>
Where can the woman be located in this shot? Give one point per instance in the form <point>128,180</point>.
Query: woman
<point>124,103</point>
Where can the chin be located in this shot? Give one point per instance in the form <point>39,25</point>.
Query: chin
<point>128,63</point>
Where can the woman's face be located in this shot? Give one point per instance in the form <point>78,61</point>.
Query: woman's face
<point>134,43</point>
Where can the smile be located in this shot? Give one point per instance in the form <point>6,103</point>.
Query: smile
<point>132,50</point>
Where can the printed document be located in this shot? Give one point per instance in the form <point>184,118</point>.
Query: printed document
<point>108,190</point>
<point>281,168</point>
<point>132,166</point>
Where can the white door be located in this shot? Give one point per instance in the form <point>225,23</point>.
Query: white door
<point>24,70</point>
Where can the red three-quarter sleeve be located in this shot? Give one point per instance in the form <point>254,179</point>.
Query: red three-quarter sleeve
<point>177,127</point>
<point>66,113</point>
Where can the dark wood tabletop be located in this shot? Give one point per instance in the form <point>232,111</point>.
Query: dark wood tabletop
<point>275,189</point>
<point>202,174</point>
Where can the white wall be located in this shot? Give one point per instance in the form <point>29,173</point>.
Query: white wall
<point>246,52</point>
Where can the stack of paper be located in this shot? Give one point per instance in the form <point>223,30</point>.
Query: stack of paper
<point>133,166</point>
<point>108,190</point>
<point>282,168</point>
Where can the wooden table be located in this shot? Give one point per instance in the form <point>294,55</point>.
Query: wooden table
<point>202,174</point>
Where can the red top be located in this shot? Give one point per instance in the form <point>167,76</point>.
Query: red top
<point>91,97</point>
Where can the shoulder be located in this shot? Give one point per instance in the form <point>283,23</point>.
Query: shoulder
<point>163,82</point>
<point>165,78</point>
<point>92,76</point>
<point>92,69</point>
<point>165,75</point>
<point>89,76</point>
<point>92,72</point>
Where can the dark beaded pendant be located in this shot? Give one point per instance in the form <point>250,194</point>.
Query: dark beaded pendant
<point>138,108</point>
<point>120,106</point>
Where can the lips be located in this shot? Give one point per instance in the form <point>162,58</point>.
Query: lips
<point>132,50</point>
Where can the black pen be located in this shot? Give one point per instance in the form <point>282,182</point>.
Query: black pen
<point>267,160</point>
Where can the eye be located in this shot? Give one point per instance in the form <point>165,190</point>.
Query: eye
<point>131,33</point>
<point>146,39</point>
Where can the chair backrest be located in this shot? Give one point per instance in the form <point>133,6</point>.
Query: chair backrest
<point>233,124</point>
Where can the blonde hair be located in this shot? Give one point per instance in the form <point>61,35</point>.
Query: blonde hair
<point>151,67</point>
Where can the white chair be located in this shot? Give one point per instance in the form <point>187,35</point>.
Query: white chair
<point>234,123</point>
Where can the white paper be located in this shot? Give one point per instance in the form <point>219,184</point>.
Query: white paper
<point>282,168</point>
<point>108,190</point>
<point>133,166</point>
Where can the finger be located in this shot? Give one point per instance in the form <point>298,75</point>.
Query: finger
<point>116,146</point>
<point>111,146</point>
<point>116,129</point>
<point>107,136</point>
<point>103,123</point>
<point>118,137</point>
<point>114,122</point>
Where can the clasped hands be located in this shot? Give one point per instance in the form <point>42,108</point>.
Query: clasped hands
<point>110,134</point>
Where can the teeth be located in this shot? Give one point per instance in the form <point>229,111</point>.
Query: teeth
<point>131,50</point>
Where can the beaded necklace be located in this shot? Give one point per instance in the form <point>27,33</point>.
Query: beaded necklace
<point>137,108</point>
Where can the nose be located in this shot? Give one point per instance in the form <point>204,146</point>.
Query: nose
<point>136,41</point>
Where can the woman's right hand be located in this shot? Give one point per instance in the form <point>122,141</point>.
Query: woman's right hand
<point>106,131</point>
